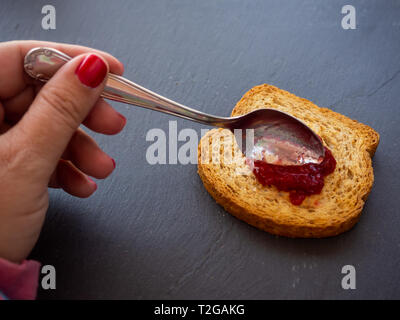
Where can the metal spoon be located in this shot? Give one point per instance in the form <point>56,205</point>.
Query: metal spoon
<point>263,134</point>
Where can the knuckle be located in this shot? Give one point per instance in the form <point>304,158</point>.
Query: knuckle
<point>7,152</point>
<point>13,156</point>
<point>62,100</point>
<point>17,159</point>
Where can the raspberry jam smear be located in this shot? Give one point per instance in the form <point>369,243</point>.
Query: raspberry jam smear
<point>300,181</point>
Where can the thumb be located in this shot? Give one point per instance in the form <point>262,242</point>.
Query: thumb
<point>61,106</point>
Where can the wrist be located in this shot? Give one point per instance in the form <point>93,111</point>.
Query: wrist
<point>19,281</point>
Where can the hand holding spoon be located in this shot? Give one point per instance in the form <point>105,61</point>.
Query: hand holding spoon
<point>276,137</point>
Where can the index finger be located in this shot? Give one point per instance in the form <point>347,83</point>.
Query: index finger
<point>13,78</point>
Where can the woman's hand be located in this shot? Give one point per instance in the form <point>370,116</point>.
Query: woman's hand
<point>40,142</point>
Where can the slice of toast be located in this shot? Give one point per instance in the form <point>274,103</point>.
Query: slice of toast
<point>335,210</point>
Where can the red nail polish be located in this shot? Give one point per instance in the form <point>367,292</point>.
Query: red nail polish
<point>123,118</point>
<point>91,71</point>
<point>93,183</point>
<point>113,161</point>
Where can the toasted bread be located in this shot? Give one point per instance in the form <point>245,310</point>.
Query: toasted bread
<point>335,210</point>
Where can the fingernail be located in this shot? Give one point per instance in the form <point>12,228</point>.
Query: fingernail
<point>113,161</point>
<point>91,71</point>
<point>123,118</point>
<point>93,183</point>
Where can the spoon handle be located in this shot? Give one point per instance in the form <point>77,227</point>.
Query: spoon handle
<point>42,63</point>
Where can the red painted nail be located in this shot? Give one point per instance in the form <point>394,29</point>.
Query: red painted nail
<point>91,71</point>
<point>123,119</point>
<point>93,183</point>
<point>113,161</point>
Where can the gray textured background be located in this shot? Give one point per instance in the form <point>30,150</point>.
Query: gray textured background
<point>153,231</point>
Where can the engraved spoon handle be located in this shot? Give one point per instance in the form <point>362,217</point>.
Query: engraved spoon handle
<point>42,63</point>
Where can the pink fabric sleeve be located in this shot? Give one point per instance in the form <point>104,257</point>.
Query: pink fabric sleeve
<point>19,281</point>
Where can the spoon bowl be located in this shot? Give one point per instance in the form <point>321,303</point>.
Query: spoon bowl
<point>277,138</point>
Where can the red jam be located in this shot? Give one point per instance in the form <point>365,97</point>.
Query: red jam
<point>300,181</point>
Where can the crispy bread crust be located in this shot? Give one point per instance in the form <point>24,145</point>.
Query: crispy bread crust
<point>335,210</point>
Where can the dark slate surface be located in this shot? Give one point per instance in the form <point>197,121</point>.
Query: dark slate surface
<point>153,231</point>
